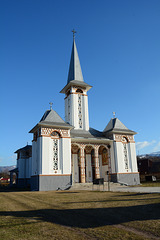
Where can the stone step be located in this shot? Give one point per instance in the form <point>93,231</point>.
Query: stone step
<point>90,186</point>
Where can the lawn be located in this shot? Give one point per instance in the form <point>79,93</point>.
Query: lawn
<point>79,215</point>
<point>150,184</point>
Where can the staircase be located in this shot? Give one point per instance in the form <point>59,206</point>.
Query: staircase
<point>91,187</point>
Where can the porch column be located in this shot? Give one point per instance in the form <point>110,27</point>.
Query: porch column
<point>82,164</point>
<point>109,161</point>
<point>96,160</point>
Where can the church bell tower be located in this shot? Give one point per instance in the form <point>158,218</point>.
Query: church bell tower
<point>76,98</point>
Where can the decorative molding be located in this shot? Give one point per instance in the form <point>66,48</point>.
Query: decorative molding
<point>120,138</point>
<point>55,154</point>
<point>88,149</point>
<point>46,132</point>
<point>74,149</point>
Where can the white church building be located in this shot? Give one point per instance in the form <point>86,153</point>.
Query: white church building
<point>70,151</point>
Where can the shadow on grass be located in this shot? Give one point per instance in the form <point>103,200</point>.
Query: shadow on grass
<point>90,218</point>
<point>13,189</point>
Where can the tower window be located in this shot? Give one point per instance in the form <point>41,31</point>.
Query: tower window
<point>55,134</point>
<point>79,90</point>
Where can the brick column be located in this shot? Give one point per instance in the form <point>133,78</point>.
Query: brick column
<point>96,160</point>
<point>82,165</point>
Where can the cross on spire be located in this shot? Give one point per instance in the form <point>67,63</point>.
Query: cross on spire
<point>114,114</point>
<point>73,33</point>
<point>51,105</point>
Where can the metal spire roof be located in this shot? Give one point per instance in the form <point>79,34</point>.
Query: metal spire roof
<point>75,77</point>
<point>115,125</point>
<point>52,116</point>
<point>51,119</point>
<point>75,72</point>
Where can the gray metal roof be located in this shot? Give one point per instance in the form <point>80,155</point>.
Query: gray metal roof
<point>51,119</point>
<point>27,147</point>
<point>75,77</point>
<point>92,133</point>
<point>115,125</point>
<point>52,116</point>
<point>75,72</point>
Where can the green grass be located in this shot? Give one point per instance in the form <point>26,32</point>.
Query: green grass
<point>150,184</point>
<point>79,215</point>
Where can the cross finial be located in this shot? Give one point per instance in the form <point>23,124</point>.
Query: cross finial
<point>114,114</point>
<point>51,105</point>
<point>73,33</point>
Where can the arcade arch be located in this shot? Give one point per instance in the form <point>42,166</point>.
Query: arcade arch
<point>88,162</point>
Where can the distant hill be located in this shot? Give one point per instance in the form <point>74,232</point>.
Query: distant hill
<point>154,154</point>
<point>6,169</point>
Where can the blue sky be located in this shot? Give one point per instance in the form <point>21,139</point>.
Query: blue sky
<point>119,49</point>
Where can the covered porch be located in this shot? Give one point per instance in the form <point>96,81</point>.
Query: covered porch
<point>90,161</point>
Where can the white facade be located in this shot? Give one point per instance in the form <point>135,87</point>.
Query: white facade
<point>67,152</point>
<point>43,155</point>
<point>76,108</point>
<point>24,166</point>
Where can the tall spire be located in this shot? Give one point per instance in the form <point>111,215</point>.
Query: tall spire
<point>75,72</point>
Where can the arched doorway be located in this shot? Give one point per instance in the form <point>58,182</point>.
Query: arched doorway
<point>89,159</point>
<point>103,162</point>
<point>75,163</point>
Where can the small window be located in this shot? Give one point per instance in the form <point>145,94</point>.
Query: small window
<point>79,90</point>
<point>55,134</point>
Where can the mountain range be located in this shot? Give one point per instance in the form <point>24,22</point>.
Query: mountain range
<point>154,154</point>
<point>6,169</point>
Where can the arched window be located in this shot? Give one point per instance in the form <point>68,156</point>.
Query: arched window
<point>55,134</point>
<point>124,140</point>
<point>79,90</point>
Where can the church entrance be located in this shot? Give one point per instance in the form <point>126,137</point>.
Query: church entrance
<point>89,162</point>
<point>93,165</point>
<point>75,163</point>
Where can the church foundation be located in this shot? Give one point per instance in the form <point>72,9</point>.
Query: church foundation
<point>126,178</point>
<point>51,182</point>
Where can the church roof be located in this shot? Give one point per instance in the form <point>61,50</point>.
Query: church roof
<point>51,119</point>
<point>27,147</point>
<point>75,72</point>
<point>75,77</point>
<point>92,133</point>
<point>52,116</point>
<point>115,125</point>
